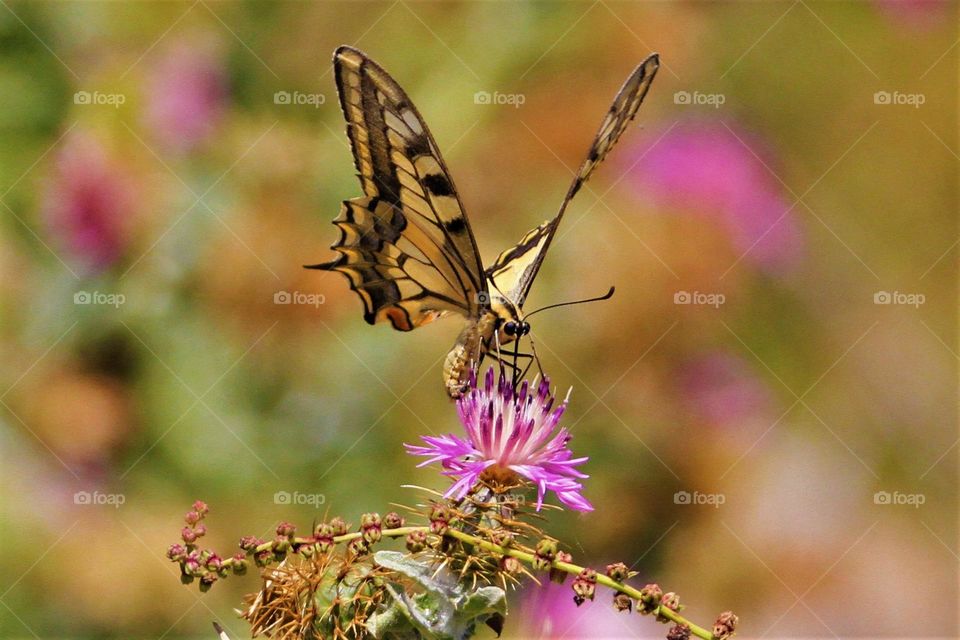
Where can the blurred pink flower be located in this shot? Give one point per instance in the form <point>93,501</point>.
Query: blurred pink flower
<point>914,13</point>
<point>548,611</point>
<point>186,94</point>
<point>703,167</point>
<point>88,202</point>
<point>723,390</point>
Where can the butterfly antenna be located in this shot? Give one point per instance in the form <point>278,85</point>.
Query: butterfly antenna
<point>606,296</point>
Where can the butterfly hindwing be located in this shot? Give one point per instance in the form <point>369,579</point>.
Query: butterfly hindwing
<point>380,255</point>
<point>622,111</point>
<point>512,272</point>
<point>414,213</point>
<point>515,269</point>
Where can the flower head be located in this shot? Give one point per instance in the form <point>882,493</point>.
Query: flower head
<point>510,435</point>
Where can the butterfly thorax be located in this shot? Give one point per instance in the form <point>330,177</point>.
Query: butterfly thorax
<point>476,340</point>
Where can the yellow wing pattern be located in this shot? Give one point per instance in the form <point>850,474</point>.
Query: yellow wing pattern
<point>406,247</point>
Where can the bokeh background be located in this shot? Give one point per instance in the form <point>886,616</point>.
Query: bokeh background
<point>167,167</point>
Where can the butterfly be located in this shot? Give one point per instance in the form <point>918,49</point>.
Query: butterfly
<point>406,245</point>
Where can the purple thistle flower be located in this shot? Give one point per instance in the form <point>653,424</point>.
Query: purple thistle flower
<point>509,435</point>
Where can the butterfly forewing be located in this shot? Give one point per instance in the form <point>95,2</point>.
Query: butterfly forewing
<point>407,247</point>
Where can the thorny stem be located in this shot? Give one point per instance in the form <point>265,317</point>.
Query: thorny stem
<point>523,556</point>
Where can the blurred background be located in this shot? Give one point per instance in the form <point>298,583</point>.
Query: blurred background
<point>768,402</point>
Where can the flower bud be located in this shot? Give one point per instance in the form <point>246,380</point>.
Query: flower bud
<point>191,566</point>
<point>679,632</point>
<point>622,602</point>
<point>358,547</point>
<point>500,537</point>
<point>340,528</point>
<point>439,519</point>
<point>371,526</point>
<point>176,552</point>
<point>286,530</point>
<point>250,543</point>
<point>510,565</point>
<point>559,575</point>
<point>670,601</point>
<point>263,558</point>
<point>618,572</point>
<point>200,530</point>
<point>280,547</point>
<point>192,517</point>
<point>585,586</point>
<point>725,625</point>
<point>544,554</point>
<point>650,597</point>
<point>201,508</point>
<point>323,534</point>
<point>214,562</point>
<point>188,535</point>
<point>416,541</point>
<point>207,581</point>
<point>392,520</point>
<point>239,564</point>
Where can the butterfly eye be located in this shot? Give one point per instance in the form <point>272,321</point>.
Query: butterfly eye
<point>510,328</point>
<point>524,328</point>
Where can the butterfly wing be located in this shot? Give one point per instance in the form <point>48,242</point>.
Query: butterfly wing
<point>406,246</point>
<point>514,270</point>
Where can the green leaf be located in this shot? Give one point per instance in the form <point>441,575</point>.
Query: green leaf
<point>442,610</point>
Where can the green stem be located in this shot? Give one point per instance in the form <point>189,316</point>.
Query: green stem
<point>524,556</point>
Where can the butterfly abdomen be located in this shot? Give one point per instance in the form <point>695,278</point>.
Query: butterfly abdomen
<point>466,352</point>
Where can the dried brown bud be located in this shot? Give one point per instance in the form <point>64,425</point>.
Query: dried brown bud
<point>371,526</point>
<point>340,528</point>
<point>618,572</point>
<point>392,520</point>
<point>439,519</point>
<point>510,564</point>
<point>650,597</point>
<point>725,625</point>
<point>250,543</point>
<point>416,541</point>
<point>207,580</point>
<point>358,547</point>
<point>544,554</point>
<point>622,602</point>
<point>585,586</point>
<point>323,535</point>
<point>671,601</point>
<point>559,575</point>
<point>679,632</point>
